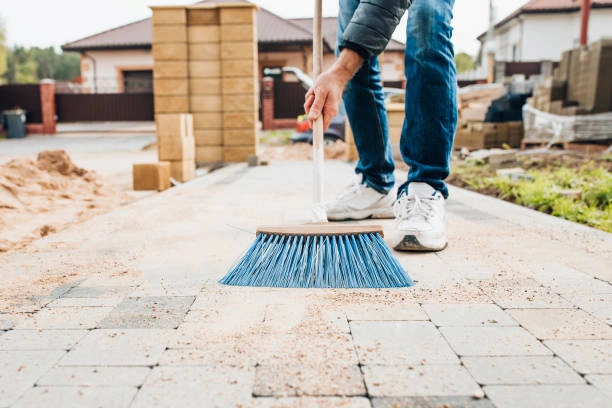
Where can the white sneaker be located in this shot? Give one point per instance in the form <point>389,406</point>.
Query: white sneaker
<point>419,220</point>
<point>359,201</point>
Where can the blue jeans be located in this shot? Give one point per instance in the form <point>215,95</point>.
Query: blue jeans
<point>430,107</point>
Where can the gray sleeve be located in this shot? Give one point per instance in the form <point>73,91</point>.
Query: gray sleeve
<point>372,25</point>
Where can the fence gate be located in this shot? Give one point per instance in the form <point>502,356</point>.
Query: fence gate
<point>288,99</point>
<point>104,107</point>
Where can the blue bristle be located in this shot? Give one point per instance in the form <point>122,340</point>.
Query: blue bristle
<point>319,261</point>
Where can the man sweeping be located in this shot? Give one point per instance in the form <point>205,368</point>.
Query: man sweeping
<point>364,29</point>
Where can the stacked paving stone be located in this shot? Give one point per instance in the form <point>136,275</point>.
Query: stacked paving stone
<point>205,65</point>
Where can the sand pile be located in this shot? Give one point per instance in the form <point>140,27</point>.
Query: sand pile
<point>43,196</point>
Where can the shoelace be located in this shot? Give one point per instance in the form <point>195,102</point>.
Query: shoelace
<point>411,206</point>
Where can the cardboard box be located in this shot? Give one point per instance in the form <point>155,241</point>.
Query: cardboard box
<point>151,176</point>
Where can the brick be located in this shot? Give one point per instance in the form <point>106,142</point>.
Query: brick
<point>176,148</point>
<point>170,87</point>
<point>233,32</point>
<point>170,69</point>
<point>174,124</point>
<point>238,85</point>
<point>204,69</point>
<point>198,17</point>
<point>205,86</point>
<point>170,51</point>
<point>233,154</point>
<point>239,137</point>
<point>237,15</point>
<point>182,170</point>
<point>239,120</point>
<point>209,154</point>
<point>212,120</point>
<point>239,50</point>
<point>208,137</point>
<point>238,67</point>
<point>151,176</point>
<point>206,103</point>
<point>171,104</point>
<point>162,16</point>
<point>240,103</point>
<point>204,52</point>
<point>203,34</point>
<point>169,34</point>
<point>396,117</point>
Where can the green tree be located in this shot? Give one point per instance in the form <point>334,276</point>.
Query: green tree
<point>464,62</point>
<point>3,51</point>
<point>22,68</point>
<point>31,65</point>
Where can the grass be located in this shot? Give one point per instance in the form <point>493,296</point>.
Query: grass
<point>581,193</point>
<point>276,137</point>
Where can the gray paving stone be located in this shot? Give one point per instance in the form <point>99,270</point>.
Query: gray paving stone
<point>168,287</point>
<point>493,341</point>
<point>19,370</point>
<point>308,348</point>
<point>407,311</point>
<point>65,318</point>
<point>585,356</point>
<point>565,279</point>
<point>85,302</point>
<point>570,324</point>
<point>462,314</point>
<point>400,343</point>
<point>282,318</point>
<point>82,291</point>
<point>449,293</point>
<point>546,396</point>
<point>196,387</point>
<point>6,323</point>
<point>431,402</point>
<point>77,397</point>
<point>40,339</point>
<point>598,305</point>
<point>419,381</point>
<point>326,379</point>
<point>526,297</point>
<point>520,370</point>
<point>310,402</point>
<point>93,376</point>
<point>43,300</point>
<point>122,347</point>
<point>603,382</point>
<point>148,312</point>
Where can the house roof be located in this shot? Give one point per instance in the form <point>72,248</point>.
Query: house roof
<point>271,29</point>
<point>329,26</point>
<point>549,6</point>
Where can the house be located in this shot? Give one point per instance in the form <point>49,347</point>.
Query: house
<point>120,59</point>
<point>542,29</point>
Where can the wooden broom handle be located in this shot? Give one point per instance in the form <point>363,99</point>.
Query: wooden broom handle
<point>318,211</point>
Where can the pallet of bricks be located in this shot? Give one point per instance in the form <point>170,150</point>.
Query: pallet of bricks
<point>472,130</point>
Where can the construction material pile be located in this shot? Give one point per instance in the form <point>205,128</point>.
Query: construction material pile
<point>42,196</point>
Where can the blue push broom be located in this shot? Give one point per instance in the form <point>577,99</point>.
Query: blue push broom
<point>319,255</point>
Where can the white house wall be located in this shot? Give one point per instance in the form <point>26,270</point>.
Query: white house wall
<point>108,65</point>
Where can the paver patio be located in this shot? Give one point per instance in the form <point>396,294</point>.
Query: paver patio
<point>516,312</point>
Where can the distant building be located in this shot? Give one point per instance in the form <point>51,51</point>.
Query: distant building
<point>120,59</point>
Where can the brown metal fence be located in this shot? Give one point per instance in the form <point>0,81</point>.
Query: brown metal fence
<point>26,97</point>
<point>104,107</point>
<point>288,99</point>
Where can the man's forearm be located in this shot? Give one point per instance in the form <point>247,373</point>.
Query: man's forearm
<point>346,65</point>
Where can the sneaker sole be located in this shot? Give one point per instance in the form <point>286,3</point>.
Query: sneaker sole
<point>411,243</point>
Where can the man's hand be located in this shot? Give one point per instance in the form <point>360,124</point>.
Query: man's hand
<point>326,94</point>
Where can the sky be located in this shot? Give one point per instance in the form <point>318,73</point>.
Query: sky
<point>45,23</point>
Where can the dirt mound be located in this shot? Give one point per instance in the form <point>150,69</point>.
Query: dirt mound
<point>40,197</point>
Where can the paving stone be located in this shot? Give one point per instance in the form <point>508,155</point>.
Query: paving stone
<point>474,314</point>
<point>310,402</point>
<point>520,370</point>
<point>40,339</point>
<point>447,293</point>
<point>431,402</point>
<point>493,341</point>
<point>565,279</point>
<point>19,370</point>
<point>82,291</point>
<point>400,343</point>
<point>54,294</point>
<point>282,318</point>
<point>94,376</point>
<point>526,297</point>
<point>77,397</point>
<point>65,318</point>
<point>585,356</point>
<point>420,380</point>
<point>599,306</point>
<point>196,387</point>
<point>602,382</point>
<point>148,312</point>
<point>408,311</point>
<point>6,323</point>
<point>85,302</point>
<point>315,380</point>
<point>561,324</point>
<point>546,396</point>
<point>308,348</point>
<point>121,347</point>
<point>169,287</point>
